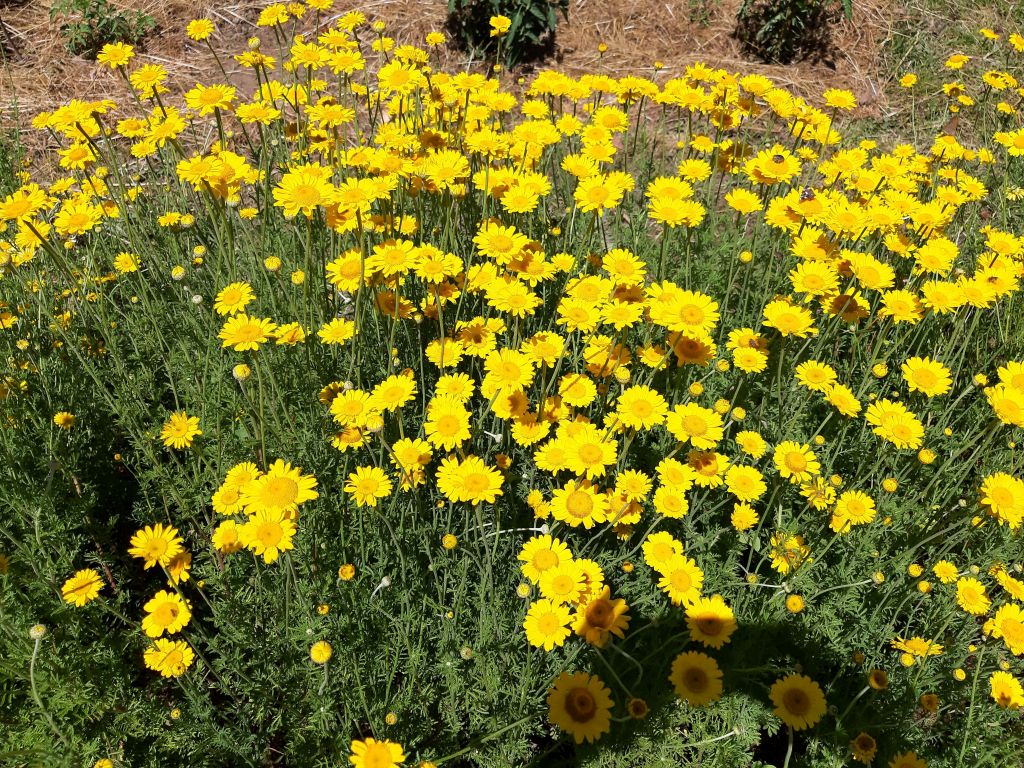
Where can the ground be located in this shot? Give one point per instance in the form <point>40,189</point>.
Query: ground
<point>867,54</point>
<point>637,34</point>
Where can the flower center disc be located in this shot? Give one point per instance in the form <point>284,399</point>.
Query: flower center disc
<point>796,701</point>
<point>695,679</point>
<point>580,705</point>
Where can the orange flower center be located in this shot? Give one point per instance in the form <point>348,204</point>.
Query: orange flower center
<point>600,614</point>
<point>695,679</point>
<point>710,625</point>
<point>580,705</point>
<point>579,504</point>
<point>545,559</point>
<point>796,702</point>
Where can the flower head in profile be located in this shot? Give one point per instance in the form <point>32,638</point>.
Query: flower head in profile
<point>64,419</point>
<point>179,569</point>
<point>208,99</point>
<point>321,652</point>
<point>500,25</point>
<point>601,617</point>
<point>839,99</point>
<point>917,647</point>
<point>115,55</point>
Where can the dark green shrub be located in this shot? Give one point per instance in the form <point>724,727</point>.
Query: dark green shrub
<point>11,154</point>
<point>784,31</point>
<point>91,24</point>
<point>530,37</point>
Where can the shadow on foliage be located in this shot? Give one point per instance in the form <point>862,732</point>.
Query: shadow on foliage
<point>757,656</point>
<point>531,39</point>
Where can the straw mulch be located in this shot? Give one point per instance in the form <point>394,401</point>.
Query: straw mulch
<point>41,74</point>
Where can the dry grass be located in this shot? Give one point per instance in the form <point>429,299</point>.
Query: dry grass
<point>44,74</point>
<point>637,33</point>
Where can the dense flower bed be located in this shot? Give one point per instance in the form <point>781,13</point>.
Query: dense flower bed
<point>360,411</point>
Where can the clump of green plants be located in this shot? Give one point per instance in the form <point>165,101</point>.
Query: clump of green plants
<point>11,153</point>
<point>91,24</point>
<point>525,30</point>
<point>784,31</point>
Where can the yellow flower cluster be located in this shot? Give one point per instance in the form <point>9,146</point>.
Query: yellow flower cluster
<point>745,362</point>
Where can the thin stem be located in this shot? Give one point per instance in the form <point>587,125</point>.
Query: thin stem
<point>789,748</point>
<point>35,694</point>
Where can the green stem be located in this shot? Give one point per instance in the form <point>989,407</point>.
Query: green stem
<point>35,694</point>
